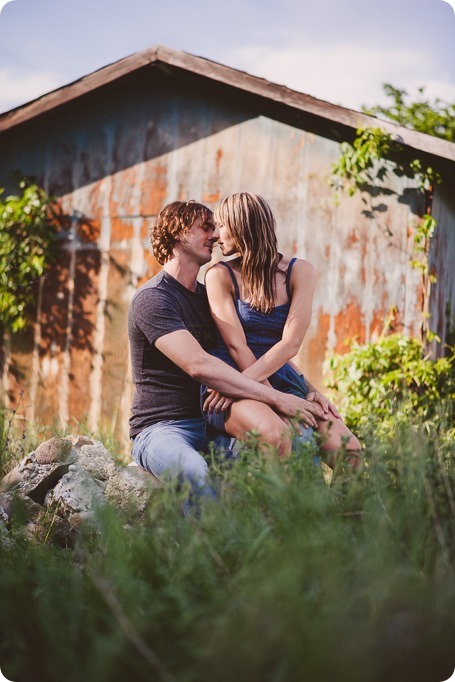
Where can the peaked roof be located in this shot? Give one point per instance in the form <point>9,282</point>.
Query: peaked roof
<point>224,75</point>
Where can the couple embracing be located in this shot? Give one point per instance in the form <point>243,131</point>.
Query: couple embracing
<point>213,362</point>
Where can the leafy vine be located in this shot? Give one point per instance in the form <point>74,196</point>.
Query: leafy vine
<point>27,248</point>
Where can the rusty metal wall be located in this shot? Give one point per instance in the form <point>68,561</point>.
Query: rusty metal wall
<point>442,263</point>
<point>114,161</point>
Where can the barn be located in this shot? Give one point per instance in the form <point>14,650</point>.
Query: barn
<point>117,145</point>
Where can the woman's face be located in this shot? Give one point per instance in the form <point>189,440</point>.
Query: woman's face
<point>225,241</point>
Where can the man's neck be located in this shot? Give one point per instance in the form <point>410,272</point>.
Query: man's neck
<point>184,273</point>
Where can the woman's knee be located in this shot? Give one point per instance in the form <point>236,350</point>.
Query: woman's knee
<point>246,416</point>
<point>276,434</point>
<point>337,436</point>
<point>353,444</point>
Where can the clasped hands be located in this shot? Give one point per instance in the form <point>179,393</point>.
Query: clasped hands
<point>217,402</point>
<point>315,406</point>
<point>327,407</point>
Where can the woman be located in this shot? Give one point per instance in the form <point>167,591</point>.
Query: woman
<point>261,303</point>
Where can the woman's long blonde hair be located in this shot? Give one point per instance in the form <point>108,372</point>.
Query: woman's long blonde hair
<point>250,221</point>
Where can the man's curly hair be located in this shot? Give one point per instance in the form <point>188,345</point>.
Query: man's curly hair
<point>173,221</point>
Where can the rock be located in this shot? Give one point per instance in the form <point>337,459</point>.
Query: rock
<point>78,441</point>
<point>4,516</point>
<point>4,539</point>
<point>16,475</point>
<point>96,460</point>
<point>5,507</point>
<point>38,522</point>
<point>34,480</point>
<point>49,526</point>
<point>19,507</point>
<point>129,488</point>
<point>53,450</point>
<point>58,487</point>
<point>78,493</point>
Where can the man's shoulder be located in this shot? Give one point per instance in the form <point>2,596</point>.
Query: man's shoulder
<point>150,288</point>
<point>164,291</point>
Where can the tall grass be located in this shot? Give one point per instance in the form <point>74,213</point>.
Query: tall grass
<point>20,436</point>
<point>282,578</point>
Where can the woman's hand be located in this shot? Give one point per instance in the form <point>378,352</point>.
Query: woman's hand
<point>216,401</point>
<point>327,407</point>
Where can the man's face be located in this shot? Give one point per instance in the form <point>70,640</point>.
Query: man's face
<point>200,239</point>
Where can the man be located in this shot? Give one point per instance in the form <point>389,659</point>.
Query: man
<point>171,330</point>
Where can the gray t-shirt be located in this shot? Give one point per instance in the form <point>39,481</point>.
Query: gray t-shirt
<point>162,390</point>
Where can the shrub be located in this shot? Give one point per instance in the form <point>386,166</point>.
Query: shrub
<point>27,236</point>
<point>390,383</point>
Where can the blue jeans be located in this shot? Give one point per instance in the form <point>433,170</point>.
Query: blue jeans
<point>171,450</point>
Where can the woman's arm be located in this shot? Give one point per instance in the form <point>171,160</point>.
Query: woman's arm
<point>315,396</point>
<point>303,281</point>
<point>220,292</point>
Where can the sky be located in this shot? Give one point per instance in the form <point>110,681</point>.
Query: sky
<point>341,51</point>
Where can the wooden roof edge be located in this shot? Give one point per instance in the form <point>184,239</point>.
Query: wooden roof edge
<point>306,103</point>
<point>75,89</point>
<point>241,80</point>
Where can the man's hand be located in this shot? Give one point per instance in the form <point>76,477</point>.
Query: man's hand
<point>320,399</point>
<point>216,401</point>
<point>304,410</point>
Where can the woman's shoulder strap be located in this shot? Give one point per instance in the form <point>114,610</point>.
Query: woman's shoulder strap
<point>233,277</point>
<point>288,277</point>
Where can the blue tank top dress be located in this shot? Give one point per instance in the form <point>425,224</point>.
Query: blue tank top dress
<point>262,331</point>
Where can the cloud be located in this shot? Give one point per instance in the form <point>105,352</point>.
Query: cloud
<point>16,89</point>
<point>346,74</point>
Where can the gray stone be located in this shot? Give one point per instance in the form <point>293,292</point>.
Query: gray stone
<point>5,507</point>
<point>16,475</point>
<point>77,493</point>
<point>129,488</point>
<point>49,526</point>
<point>78,441</point>
<point>34,480</point>
<point>23,509</point>
<point>4,535</point>
<point>13,504</point>
<point>60,485</point>
<point>96,460</point>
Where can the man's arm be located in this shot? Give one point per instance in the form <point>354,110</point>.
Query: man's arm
<point>316,396</point>
<point>182,348</point>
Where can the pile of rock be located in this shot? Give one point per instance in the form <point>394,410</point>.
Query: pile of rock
<point>59,486</point>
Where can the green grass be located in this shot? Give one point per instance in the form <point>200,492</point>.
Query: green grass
<point>19,437</point>
<point>281,579</point>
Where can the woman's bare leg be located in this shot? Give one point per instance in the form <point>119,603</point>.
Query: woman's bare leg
<point>337,438</point>
<point>250,415</point>
<point>244,416</point>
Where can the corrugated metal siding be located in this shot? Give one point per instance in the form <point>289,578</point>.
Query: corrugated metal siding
<point>114,163</point>
<point>442,301</point>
